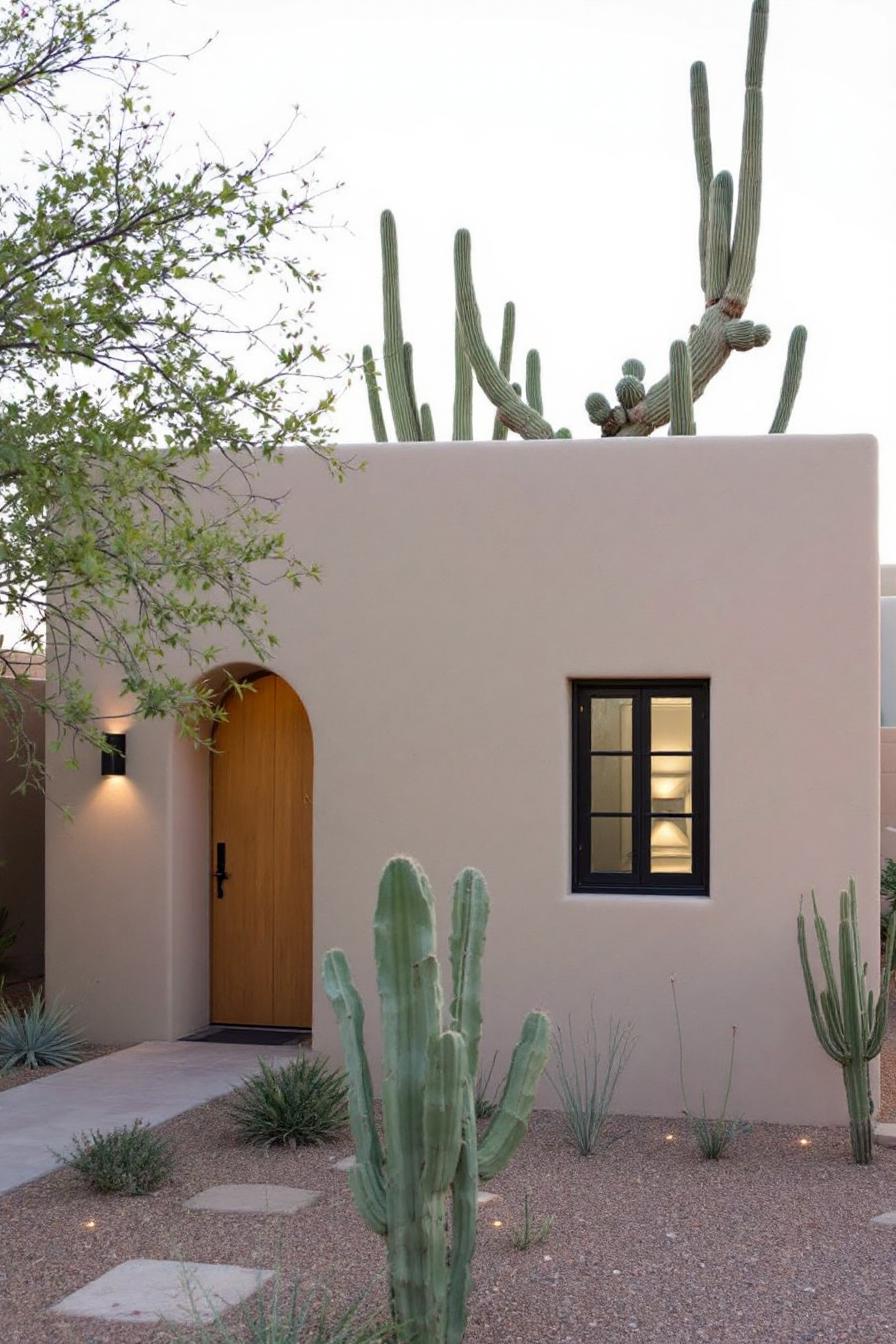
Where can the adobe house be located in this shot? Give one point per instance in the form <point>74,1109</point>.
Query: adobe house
<point>635,682</point>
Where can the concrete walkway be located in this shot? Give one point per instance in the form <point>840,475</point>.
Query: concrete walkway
<point>150,1082</point>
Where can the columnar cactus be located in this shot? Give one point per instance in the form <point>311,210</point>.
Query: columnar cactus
<point>430,1146</point>
<point>681,391</point>
<point>847,1023</point>
<point>727,241</point>
<point>505,359</point>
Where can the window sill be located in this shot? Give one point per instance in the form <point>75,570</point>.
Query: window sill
<point>636,897</point>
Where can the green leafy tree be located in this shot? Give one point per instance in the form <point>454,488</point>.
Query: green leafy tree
<point>128,353</point>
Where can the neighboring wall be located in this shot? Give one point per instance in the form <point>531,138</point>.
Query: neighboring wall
<point>463,586</point>
<point>22,854</point>
<point>888,793</point>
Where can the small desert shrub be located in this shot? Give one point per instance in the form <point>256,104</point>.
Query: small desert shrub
<point>713,1135</point>
<point>484,1097</point>
<point>584,1083</point>
<point>888,895</point>
<point>299,1103</point>
<point>131,1160</point>
<point>37,1034</point>
<point>532,1232</point>
<point>291,1316</point>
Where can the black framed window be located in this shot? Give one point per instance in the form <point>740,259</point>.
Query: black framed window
<point>640,752</point>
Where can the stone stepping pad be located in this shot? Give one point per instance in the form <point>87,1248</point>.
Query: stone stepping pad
<point>253,1199</point>
<point>146,1291</point>
<point>884,1220</point>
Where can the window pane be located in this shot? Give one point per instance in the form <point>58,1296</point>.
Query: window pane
<point>611,784</point>
<point>611,844</point>
<point>670,845</point>
<point>670,723</point>
<point>670,784</point>
<point>611,723</point>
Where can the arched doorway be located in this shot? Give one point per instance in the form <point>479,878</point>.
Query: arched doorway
<point>261,896</point>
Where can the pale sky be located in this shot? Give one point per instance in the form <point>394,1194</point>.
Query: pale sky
<point>560,135</point>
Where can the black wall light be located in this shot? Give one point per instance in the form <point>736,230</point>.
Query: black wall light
<point>114,759</point>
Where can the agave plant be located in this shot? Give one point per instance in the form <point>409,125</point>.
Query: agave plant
<point>36,1035</point>
<point>303,1102</point>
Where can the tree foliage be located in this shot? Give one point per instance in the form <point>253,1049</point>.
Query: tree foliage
<point>137,393</point>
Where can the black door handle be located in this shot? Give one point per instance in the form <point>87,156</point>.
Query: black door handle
<point>219,874</point>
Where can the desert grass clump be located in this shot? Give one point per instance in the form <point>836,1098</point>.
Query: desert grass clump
<point>483,1094</point>
<point>585,1082</point>
<point>713,1135</point>
<point>532,1231</point>
<point>130,1160</point>
<point>289,1315</point>
<point>35,1035</point>
<point>303,1102</point>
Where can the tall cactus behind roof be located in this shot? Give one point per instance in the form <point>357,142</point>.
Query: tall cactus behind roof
<point>430,1140</point>
<point>849,1027</point>
<point>727,241</point>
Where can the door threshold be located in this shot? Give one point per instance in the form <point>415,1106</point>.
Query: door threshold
<point>228,1034</point>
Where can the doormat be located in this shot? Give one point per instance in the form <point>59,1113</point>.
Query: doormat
<point>251,1035</point>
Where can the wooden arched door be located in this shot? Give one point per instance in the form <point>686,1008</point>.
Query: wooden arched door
<point>261,899</point>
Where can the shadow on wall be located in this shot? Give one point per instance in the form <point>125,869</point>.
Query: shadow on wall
<point>22,857</point>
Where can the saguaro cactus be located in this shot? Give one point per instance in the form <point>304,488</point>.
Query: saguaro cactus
<point>429,1122</point>
<point>727,240</point>
<point>847,1023</point>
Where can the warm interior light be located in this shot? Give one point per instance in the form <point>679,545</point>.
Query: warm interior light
<point>668,834</point>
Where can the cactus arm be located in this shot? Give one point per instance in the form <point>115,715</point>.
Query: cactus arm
<point>463,389</point>
<point>380,433</point>
<point>469,916</point>
<point>790,386</point>
<point>718,235</point>
<point>702,154</point>
<point>406,428</point>
<point>681,391</point>
<point>533,381</point>
<point>412,395</point>
<point>505,359</point>
<point>749,187</point>
<point>427,428</point>
<point>443,1093</point>
<point>886,974</point>
<point>598,408</point>
<point>366,1179</point>
<point>463,1228</point>
<point>830,995</point>
<point>508,1124</point>
<point>514,412</point>
<point>830,1042</point>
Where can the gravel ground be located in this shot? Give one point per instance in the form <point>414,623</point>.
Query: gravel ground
<point>769,1246</point>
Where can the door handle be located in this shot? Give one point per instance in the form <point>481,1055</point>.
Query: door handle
<point>220,875</point>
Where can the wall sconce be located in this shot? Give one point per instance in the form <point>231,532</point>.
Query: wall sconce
<point>113,760</point>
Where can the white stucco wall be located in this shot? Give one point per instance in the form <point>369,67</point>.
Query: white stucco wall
<point>464,585</point>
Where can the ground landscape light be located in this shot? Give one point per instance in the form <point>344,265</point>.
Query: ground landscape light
<point>113,760</point>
